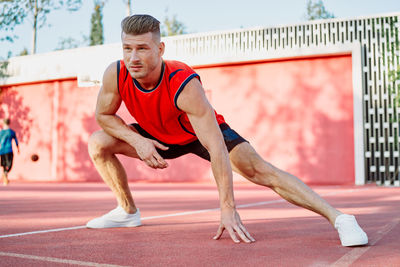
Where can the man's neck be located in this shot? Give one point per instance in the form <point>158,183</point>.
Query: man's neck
<point>152,80</point>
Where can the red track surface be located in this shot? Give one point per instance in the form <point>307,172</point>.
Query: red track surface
<point>286,235</point>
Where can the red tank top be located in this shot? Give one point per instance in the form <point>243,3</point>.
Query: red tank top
<point>156,110</point>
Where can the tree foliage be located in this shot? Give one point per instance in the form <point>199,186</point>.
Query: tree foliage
<point>316,10</point>
<point>3,68</point>
<point>24,52</point>
<point>69,42</point>
<point>16,12</point>
<point>393,61</point>
<point>96,29</point>
<point>172,26</point>
<point>128,7</point>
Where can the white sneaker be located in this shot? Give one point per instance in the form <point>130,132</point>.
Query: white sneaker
<point>118,217</point>
<point>350,232</point>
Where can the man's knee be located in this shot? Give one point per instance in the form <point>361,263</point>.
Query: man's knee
<point>98,144</point>
<point>251,165</point>
<point>263,173</point>
<point>269,174</point>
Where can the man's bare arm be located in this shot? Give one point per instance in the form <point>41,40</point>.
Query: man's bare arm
<point>193,101</point>
<point>108,103</point>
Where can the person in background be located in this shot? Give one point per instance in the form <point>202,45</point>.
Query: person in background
<point>6,150</point>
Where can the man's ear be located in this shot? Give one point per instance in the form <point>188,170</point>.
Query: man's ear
<point>161,48</point>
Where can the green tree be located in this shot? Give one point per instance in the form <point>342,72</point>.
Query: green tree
<point>3,68</point>
<point>15,12</point>
<point>316,10</point>
<point>128,7</point>
<point>96,30</point>
<point>394,76</point>
<point>392,59</point>
<point>24,52</point>
<point>69,42</point>
<point>172,26</point>
<point>4,62</point>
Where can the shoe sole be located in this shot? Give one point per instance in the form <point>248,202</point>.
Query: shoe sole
<point>114,226</point>
<point>353,244</point>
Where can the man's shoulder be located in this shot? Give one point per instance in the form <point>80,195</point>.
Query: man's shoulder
<point>113,66</point>
<point>175,65</point>
<point>110,75</point>
<point>8,131</point>
<point>177,71</point>
<point>4,132</point>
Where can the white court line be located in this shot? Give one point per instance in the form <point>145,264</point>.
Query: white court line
<point>57,260</point>
<point>183,213</point>
<point>45,231</point>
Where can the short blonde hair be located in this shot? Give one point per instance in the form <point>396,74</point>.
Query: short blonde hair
<point>140,24</point>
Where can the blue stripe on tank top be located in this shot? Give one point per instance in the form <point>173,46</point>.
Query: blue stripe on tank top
<point>188,79</point>
<point>118,70</point>
<point>173,74</point>
<point>183,127</point>
<point>138,86</point>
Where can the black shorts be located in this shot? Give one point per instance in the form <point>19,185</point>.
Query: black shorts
<point>231,138</point>
<point>7,161</point>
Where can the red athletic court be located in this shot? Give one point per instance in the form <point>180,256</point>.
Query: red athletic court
<point>179,221</point>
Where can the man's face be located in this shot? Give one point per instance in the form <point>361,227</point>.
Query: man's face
<point>142,54</point>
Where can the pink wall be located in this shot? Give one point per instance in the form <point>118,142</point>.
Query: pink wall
<point>297,113</point>
<point>29,108</point>
<point>52,119</point>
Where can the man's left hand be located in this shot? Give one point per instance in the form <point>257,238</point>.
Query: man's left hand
<point>230,220</point>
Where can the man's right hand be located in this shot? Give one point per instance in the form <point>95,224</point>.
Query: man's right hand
<point>146,150</point>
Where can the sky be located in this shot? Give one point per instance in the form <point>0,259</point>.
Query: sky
<point>197,16</point>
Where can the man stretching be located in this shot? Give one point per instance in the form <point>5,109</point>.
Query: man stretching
<point>174,118</point>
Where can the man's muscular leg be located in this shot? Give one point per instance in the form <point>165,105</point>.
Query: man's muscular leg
<point>102,150</point>
<point>247,162</point>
